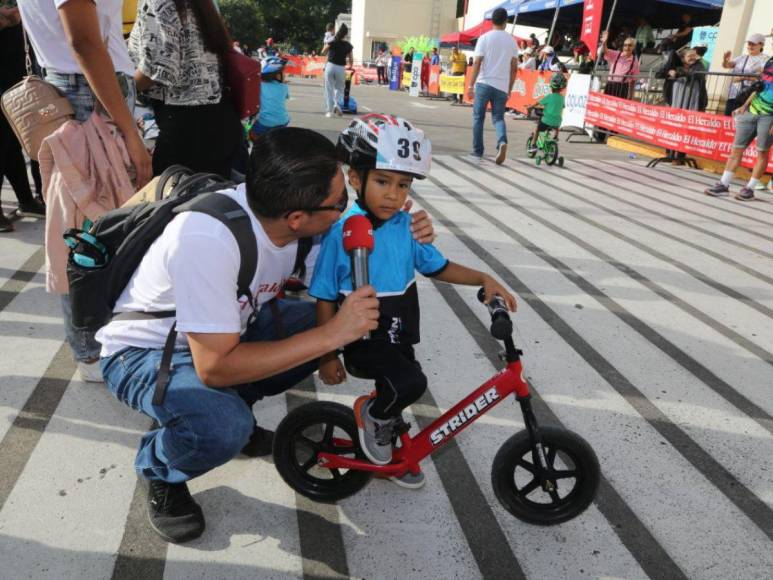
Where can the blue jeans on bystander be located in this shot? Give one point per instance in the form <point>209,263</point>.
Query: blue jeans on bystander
<point>200,427</point>
<point>485,94</point>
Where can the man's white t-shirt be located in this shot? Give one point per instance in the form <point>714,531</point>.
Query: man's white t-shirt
<point>498,49</point>
<point>43,24</point>
<point>193,268</point>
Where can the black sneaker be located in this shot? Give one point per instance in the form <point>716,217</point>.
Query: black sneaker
<point>746,194</point>
<point>33,209</point>
<point>260,443</point>
<point>173,513</point>
<point>719,189</point>
<point>6,225</point>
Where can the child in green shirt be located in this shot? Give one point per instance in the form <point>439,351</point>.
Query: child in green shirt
<point>552,108</point>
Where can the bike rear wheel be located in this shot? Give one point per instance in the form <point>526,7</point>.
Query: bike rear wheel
<point>530,152</point>
<point>319,427</point>
<point>551,152</point>
<point>573,469</point>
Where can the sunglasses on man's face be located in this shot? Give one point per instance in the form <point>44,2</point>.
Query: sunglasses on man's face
<point>339,207</point>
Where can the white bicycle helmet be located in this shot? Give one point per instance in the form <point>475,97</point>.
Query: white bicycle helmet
<point>376,141</point>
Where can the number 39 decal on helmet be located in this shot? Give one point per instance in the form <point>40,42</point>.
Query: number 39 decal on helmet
<point>376,141</point>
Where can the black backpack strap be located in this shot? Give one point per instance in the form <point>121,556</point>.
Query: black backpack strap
<point>172,172</point>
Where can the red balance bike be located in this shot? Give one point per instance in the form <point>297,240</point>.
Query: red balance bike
<point>542,475</point>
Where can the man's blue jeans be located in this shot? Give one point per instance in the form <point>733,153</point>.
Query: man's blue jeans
<point>200,427</point>
<point>485,94</point>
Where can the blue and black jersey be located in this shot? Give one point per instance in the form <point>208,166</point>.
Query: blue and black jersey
<point>392,267</point>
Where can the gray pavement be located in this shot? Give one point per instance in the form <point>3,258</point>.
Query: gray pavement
<point>644,314</point>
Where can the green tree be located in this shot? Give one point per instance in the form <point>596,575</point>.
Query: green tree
<point>245,21</point>
<point>298,23</point>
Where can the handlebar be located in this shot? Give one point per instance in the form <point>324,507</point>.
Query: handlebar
<point>501,325</point>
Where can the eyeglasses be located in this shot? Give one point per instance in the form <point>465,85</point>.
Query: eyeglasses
<point>339,207</point>
<point>628,44</point>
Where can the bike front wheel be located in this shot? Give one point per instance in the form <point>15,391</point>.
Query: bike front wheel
<point>314,428</point>
<point>567,488</point>
<point>551,152</point>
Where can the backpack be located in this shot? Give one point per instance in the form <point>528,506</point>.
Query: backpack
<point>105,254</point>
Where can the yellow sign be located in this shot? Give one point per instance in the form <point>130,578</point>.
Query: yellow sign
<point>452,84</point>
<point>407,80</point>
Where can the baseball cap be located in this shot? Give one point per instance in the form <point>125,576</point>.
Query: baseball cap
<point>756,38</point>
<point>548,49</point>
<point>529,51</point>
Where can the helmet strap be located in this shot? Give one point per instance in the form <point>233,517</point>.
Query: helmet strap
<point>361,201</point>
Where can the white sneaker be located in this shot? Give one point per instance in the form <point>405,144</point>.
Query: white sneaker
<point>328,114</point>
<point>472,158</point>
<point>90,372</point>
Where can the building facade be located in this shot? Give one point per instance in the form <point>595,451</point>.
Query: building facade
<point>378,24</point>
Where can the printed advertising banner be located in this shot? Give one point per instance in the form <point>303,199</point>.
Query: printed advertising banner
<point>433,87</point>
<point>452,84</point>
<point>528,89</point>
<point>576,101</point>
<point>699,134</point>
<point>395,73</point>
<point>591,23</point>
<point>416,75</point>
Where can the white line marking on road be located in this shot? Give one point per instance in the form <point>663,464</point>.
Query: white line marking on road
<point>366,109</point>
<point>423,106</point>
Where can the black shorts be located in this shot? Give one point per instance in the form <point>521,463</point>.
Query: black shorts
<point>542,127</point>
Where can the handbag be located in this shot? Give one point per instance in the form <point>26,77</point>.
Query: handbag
<point>34,108</point>
<point>243,81</point>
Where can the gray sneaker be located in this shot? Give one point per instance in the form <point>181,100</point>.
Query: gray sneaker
<point>746,194</point>
<point>375,434</point>
<point>719,189</point>
<point>410,480</point>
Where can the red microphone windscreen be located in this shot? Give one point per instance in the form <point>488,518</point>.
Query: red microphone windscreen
<point>358,233</point>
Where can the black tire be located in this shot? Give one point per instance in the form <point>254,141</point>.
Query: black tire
<point>600,137</point>
<point>551,152</point>
<point>513,466</point>
<point>529,153</point>
<point>309,430</point>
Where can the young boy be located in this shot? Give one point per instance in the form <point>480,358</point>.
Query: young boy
<point>552,108</point>
<point>273,97</point>
<point>384,154</point>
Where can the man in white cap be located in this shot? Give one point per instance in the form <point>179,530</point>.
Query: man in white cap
<point>753,119</point>
<point>748,68</point>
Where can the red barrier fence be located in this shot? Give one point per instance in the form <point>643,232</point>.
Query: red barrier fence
<point>528,89</point>
<point>699,134</point>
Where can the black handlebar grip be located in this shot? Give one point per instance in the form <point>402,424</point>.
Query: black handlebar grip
<point>501,325</point>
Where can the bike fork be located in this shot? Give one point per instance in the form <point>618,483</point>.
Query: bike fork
<point>538,452</point>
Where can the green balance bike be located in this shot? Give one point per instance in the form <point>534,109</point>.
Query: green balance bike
<point>546,149</point>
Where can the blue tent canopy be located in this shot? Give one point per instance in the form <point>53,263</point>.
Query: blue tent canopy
<point>661,13</point>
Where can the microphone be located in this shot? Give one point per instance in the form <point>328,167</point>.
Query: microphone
<point>358,243</point>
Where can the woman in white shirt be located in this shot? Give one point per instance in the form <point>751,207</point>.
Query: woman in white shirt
<point>747,67</point>
<point>79,44</point>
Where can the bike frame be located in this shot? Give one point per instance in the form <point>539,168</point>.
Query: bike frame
<point>414,449</point>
